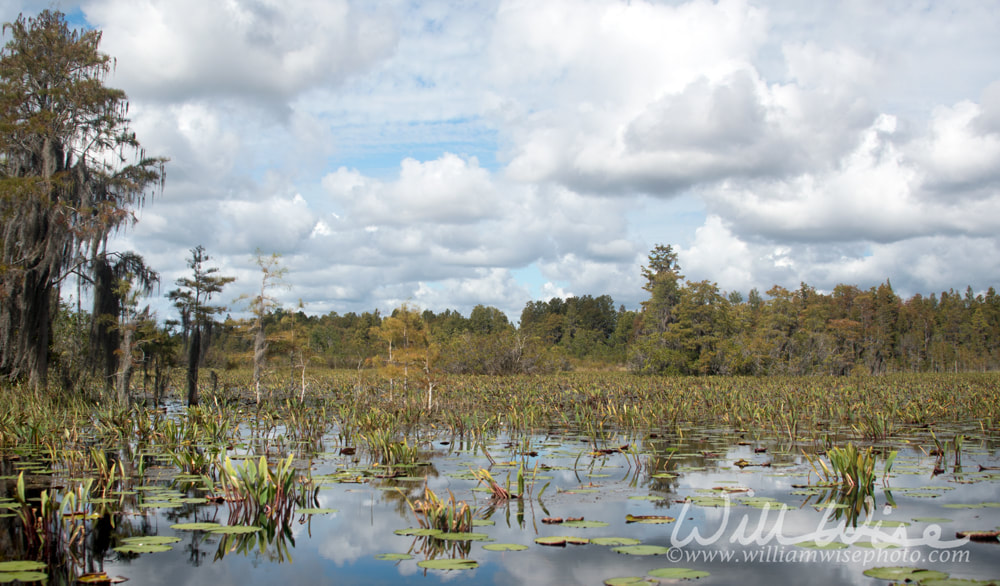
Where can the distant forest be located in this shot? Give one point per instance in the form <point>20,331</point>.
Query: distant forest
<point>684,328</point>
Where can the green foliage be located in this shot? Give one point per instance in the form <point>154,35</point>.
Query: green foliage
<point>65,180</point>
<point>449,516</point>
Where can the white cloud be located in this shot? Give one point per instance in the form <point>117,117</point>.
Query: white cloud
<point>256,49</point>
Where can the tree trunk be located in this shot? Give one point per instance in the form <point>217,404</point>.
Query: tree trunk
<point>125,365</point>
<point>194,357</point>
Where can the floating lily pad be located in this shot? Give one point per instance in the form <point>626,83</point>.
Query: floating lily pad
<point>417,532</point>
<point>505,547</point>
<point>393,557</point>
<point>649,519</point>
<point>448,564</point>
<point>887,524</point>
<point>646,497</point>
<point>876,545</point>
<point>483,522</point>
<point>236,529</point>
<point>7,577</point>
<point>206,526</point>
<point>151,540</point>
<point>679,573</point>
<point>143,548</point>
<point>626,581</point>
<point>932,520</point>
<point>314,511</point>
<point>585,524</point>
<point>903,573</point>
<point>641,549</point>
<point>816,545</point>
<point>21,566</point>
<point>100,578</point>
<point>614,541</point>
<point>957,582</point>
<point>561,540</point>
<point>462,536</point>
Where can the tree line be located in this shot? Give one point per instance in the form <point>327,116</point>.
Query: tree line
<point>72,174</point>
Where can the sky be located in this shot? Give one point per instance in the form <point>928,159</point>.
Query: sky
<point>448,154</point>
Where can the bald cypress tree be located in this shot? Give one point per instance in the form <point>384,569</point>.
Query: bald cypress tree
<point>71,173</point>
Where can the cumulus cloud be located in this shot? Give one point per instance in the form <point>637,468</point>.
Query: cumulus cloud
<point>451,154</point>
<point>256,49</point>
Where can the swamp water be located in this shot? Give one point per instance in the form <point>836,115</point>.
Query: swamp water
<point>730,507</point>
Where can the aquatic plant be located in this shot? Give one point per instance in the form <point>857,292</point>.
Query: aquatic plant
<point>259,487</point>
<point>849,466</point>
<point>449,516</point>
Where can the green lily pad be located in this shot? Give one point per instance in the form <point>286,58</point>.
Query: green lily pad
<point>887,524</point>
<point>646,497</point>
<point>21,566</point>
<point>143,548</point>
<point>873,545</point>
<point>462,536</point>
<point>814,545</point>
<point>641,549</point>
<point>236,529</point>
<point>417,532</point>
<point>483,522</point>
<point>195,526</point>
<point>393,557</point>
<point>561,540</point>
<point>585,524</point>
<point>957,582</point>
<point>615,541</point>
<point>151,540</point>
<point>679,573</point>
<point>505,547</point>
<point>903,573</point>
<point>449,564</point>
<point>7,577</point>
<point>649,519</point>
<point>314,511</point>
<point>626,581</point>
<point>932,520</point>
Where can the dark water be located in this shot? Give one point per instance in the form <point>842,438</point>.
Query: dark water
<point>341,547</point>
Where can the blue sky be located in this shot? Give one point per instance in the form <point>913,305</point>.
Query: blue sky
<point>500,151</point>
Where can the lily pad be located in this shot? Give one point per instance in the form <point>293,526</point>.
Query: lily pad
<point>21,566</point>
<point>7,577</point>
<point>449,564</point>
<point>614,541</point>
<point>932,520</point>
<point>679,573</point>
<point>816,545</point>
<point>417,532</point>
<point>393,557</point>
<point>205,526</point>
<point>236,529</point>
<point>641,549</point>
<point>151,540</point>
<point>626,581</point>
<point>314,511</point>
<point>649,519</point>
<point>903,573</point>
<point>585,524</point>
<point>462,536</point>
<point>561,540</point>
<point>505,547</point>
<point>143,548</point>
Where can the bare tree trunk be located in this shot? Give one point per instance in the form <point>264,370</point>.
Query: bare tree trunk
<point>194,356</point>
<point>259,358</point>
<point>125,363</point>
